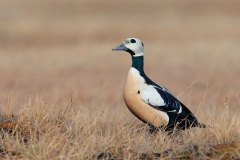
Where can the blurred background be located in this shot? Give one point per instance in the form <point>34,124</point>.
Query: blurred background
<point>55,49</point>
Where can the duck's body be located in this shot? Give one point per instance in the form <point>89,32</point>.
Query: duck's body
<point>148,101</point>
<point>133,93</point>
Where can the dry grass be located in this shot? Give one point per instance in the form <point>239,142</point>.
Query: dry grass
<point>61,85</point>
<point>43,131</point>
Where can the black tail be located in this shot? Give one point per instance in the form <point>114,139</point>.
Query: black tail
<point>201,125</point>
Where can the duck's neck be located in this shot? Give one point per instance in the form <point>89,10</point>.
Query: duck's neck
<point>137,62</point>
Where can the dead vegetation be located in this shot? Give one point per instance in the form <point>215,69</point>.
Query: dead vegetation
<point>41,131</point>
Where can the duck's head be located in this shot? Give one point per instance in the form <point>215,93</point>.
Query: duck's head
<point>133,46</point>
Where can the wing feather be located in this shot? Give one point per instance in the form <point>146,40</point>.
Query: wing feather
<point>151,96</point>
<point>160,98</point>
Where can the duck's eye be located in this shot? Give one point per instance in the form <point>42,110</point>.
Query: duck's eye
<point>133,41</point>
<point>142,44</point>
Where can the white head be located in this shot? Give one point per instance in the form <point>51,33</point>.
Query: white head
<point>133,46</point>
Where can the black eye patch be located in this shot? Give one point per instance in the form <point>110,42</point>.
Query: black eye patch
<point>133,41</point>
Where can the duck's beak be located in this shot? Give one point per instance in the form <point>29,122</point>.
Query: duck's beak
<point>121,47</point>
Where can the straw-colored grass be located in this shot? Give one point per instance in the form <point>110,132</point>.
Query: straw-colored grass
<point>43,131</point>
<point>61,85</point>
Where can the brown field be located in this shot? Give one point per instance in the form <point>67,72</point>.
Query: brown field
<point>61,84</point>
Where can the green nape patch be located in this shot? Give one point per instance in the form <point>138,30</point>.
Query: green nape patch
<point>127,41</point>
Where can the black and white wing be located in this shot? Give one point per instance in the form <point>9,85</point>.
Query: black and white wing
<point>161,99</point>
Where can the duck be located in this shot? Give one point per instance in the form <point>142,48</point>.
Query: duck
<point>150,102</point>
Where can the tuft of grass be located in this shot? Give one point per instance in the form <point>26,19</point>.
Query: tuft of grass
<point>38,132</point>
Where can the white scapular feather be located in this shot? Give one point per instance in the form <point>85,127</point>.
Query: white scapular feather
<point>148,92</point>
<point>150,95</point>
